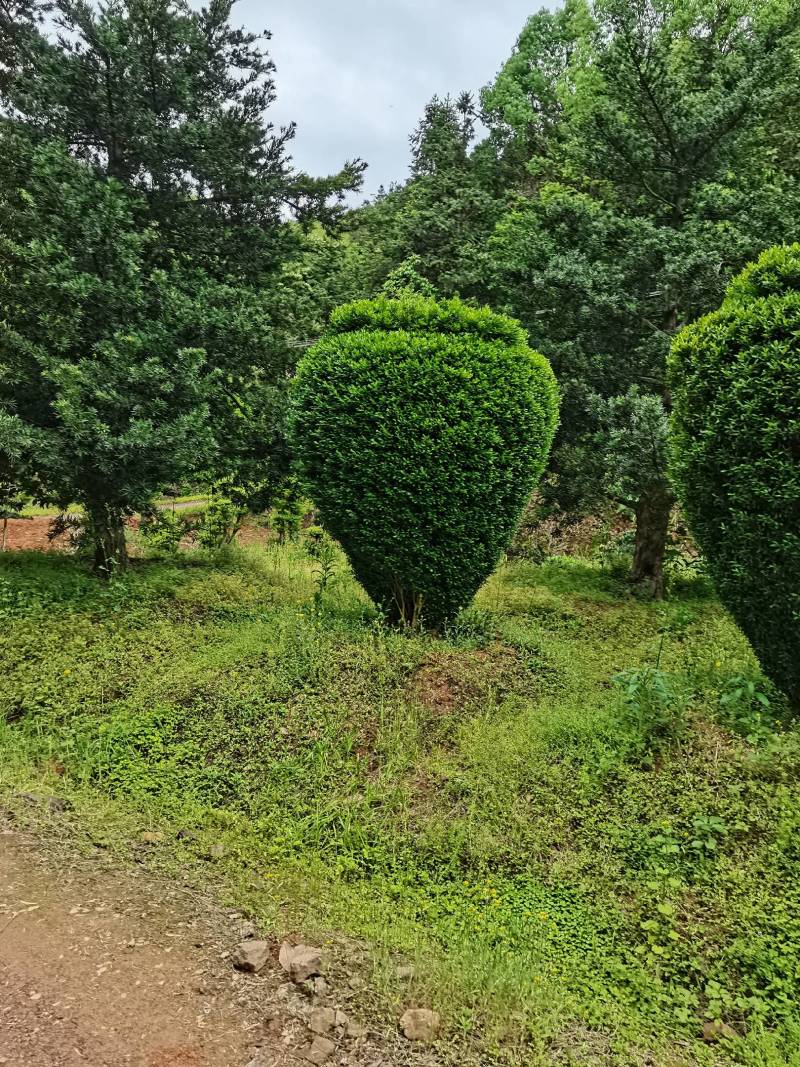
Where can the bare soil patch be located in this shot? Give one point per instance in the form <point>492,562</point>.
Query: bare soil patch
<point>106,966</point>
<point>32,533</point>
<point>100,968</point>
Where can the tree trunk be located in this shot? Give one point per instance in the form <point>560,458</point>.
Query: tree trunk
<point>652,523</point>
<point>108,537</point>
<point>405,607</point>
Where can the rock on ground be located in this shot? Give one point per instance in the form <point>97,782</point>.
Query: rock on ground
<point>301,962</point>
<point>322,1020</point>
<point>251,956</point>
<point>320,1050</point>
<point>420,1024</point>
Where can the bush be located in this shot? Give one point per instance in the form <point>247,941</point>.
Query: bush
<point>163,530</point>
<point>223,518</point>
<point>421,429</point>
<point>736,454</point>
<point>287,513</point>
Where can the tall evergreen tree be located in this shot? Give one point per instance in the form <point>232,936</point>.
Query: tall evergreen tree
<point>172,102</point>
<point>100,405</point>
<point>658,169</point>
<point>163,110</point>
<point>443,214</point>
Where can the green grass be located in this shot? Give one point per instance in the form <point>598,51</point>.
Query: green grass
<point>33,511</point>
<point>576,877</point>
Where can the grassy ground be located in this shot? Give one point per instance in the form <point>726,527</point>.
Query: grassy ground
<point>36,511</point>
<point>580,870</point>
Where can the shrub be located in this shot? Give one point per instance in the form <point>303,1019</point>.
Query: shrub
<point>736,454</point>
<point>421,429</point>
<point>223,518</point>
<point>287,513</point>
<point>164,530</point>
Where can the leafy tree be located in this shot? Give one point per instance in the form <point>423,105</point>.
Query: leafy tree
<point>524,106</point>
<point>99,403</point>
<point>421,429</point>
<point>735,376</point>
<point>657,170</point>
<point>172,103</point>
<point>442,216</point>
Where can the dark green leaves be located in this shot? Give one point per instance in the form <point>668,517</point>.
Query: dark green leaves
<point>736,427</point>
<point>421,430</point>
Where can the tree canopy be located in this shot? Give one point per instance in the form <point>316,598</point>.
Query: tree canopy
<point>147,244</point>
<point>656,179</point>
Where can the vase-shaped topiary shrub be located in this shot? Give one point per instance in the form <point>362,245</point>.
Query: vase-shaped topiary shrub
<point>421,429</point>
<point>736,454</point>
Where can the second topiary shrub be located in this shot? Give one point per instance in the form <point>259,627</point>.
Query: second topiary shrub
<point>735,378</point>
<point>421,429</point>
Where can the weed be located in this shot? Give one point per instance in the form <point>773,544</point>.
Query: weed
<point>656,707</point>
<point>567,867</point>
<point>745,706</point>
<point>325,567</point>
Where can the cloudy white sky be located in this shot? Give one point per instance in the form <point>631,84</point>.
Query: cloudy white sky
<point>356,74</point>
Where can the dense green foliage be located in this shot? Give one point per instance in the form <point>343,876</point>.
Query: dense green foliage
<point>421,429</point>
<point>173,103</point>
<point>147,303</point>
<point>100,403</point>
<point>736,453</point>
<point>649,129</point>
<point>637,155</point>
<point>575,812</point>
<point>575,869</point>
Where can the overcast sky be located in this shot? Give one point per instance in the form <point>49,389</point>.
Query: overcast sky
<point>355,74</point>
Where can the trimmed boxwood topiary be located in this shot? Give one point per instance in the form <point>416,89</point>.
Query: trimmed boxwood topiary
<point>735,378</point>
<point>421,429</point>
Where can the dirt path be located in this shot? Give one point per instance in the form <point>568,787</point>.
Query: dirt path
<point>107,967</point>
<point>98,969</point>
<point>33,533</point>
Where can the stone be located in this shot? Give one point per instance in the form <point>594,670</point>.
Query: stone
<point>320,987</point>
<point>405,971</point>
<point>420,1024</point>
<point>248,932</point>
<point>58,805</point>
<point>341,1018</point>
<point>263,1058</point>
<point>355,1030</point>
<point>251,956</point>
<point>300,962</point>
<point>320,1050</point>
<point>322,1020</point>
<point>151,837</point>
<point>718,1031</point>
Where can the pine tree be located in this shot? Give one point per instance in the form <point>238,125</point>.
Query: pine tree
<point>658,170</point>
<point>185,184</point>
